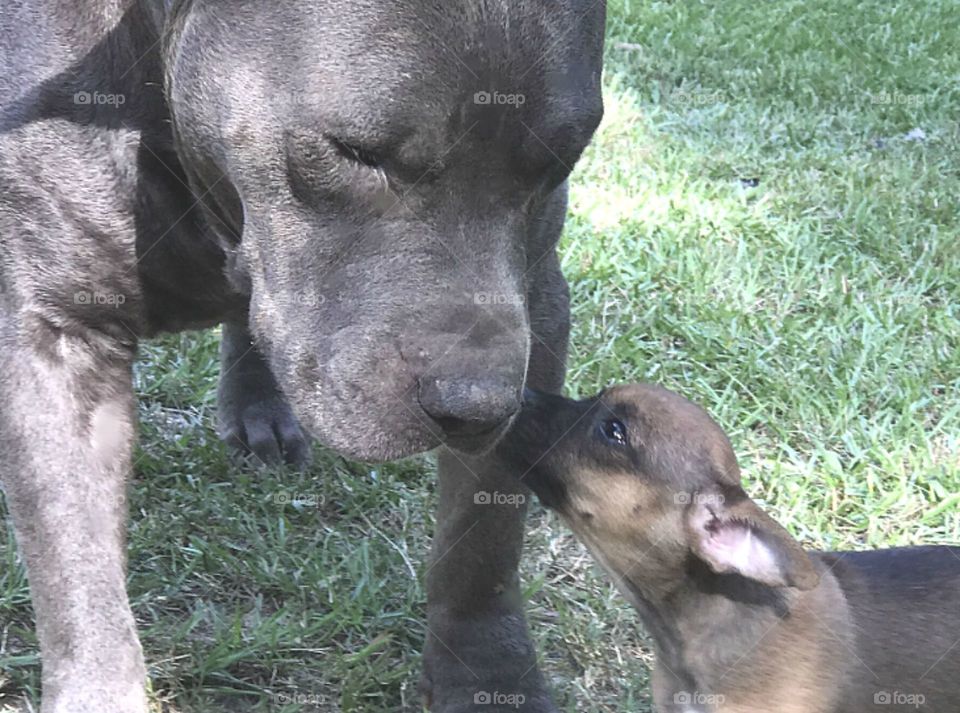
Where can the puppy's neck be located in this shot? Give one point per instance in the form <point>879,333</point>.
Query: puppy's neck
<point>702,622</point>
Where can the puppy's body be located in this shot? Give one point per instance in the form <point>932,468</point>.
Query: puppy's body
<point>905,612</point>
<point>874,635</point>
<point>744,619</point>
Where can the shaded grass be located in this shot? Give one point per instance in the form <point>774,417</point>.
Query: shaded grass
<point>767,222</point>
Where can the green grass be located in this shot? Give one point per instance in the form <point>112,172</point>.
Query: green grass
<point>768,222</point>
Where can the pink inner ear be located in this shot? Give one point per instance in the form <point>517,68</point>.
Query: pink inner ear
<point>732,546</point>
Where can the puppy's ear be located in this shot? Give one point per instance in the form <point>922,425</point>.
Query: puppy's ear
<point>732,534</point>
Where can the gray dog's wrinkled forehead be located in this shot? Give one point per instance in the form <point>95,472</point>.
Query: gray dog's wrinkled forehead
<point>383,69</point>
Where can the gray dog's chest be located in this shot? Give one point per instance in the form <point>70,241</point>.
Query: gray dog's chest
<point>98,225</point>
<point>136,244</point>
<point>179,264</point>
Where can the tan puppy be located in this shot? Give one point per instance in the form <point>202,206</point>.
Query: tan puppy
<point>744,620</point>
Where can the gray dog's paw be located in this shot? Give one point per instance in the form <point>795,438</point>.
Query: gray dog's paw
<point>254,419</point>
<point>461,695</point>
<point>482,664</point>
<point>265,432</point>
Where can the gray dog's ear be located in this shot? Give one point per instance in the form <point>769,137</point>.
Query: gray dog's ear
<point>735,535</point>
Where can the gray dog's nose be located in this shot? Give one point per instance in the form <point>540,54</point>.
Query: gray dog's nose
<point>468,408</point>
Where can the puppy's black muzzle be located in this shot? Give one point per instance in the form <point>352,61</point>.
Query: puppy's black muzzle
<point>535,444</point>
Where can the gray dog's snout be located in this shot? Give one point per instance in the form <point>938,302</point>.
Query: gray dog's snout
<point>467,408</point>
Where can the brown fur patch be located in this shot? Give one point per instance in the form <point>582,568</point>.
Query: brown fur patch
<point>627,523</point>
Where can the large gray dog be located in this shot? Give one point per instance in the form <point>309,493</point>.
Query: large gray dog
<point>365,194</point>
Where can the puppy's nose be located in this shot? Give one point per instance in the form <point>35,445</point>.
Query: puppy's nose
<point>468,408</point>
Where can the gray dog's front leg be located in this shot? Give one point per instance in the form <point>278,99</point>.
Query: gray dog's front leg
<point>254,418</point>
<point>66,433</point>
<point>478,655</point>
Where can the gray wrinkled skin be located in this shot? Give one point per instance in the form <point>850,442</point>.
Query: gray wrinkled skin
<point>175,165</point>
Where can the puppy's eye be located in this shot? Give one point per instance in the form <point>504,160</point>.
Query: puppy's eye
<point>356,153</point>
<point>614,431</point>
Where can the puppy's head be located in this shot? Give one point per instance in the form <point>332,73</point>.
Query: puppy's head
<point>647,479</point>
